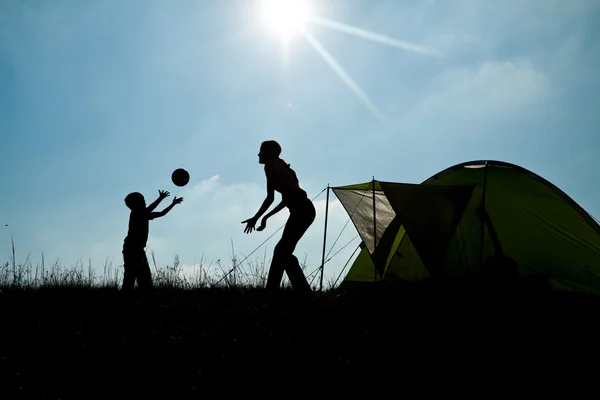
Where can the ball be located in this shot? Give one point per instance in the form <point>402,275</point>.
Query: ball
<point>180,177</point>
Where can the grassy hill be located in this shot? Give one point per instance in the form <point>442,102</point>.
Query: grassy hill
<point>75,340</point>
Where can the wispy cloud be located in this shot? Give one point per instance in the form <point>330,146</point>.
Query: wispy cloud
<point>488,90</point>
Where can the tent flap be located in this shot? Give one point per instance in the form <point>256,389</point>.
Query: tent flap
<point>358,203</point>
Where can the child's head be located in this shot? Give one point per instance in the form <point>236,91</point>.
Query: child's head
<point>135,201</point>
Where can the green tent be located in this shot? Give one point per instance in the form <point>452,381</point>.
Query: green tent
<point>445,227</point>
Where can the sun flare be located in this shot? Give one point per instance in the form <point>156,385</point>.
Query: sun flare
<point>285,17</point>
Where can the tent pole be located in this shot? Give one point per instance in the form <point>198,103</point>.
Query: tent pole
<point>485,177</point>
<point>374,235</point>
<point>324,239</point>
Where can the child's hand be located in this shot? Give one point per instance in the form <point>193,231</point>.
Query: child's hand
<point>177,200</point>
<point>163,193</point>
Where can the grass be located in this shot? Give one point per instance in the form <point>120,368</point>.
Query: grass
<point>66,333</point>
<point>246,274</point>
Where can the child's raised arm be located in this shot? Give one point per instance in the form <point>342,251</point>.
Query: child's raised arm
<point>176,200</point>
<point>161,195</point>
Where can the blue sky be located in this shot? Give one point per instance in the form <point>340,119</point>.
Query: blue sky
<point>103,98</point>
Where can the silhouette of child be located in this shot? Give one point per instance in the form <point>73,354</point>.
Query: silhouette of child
<point>283,179</point>
<point>135,262</point>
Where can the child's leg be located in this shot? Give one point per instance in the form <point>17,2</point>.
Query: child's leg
<point>131,262</point>
<point>144,275</point>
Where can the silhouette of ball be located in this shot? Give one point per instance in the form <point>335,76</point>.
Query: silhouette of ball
<point>180,177</point>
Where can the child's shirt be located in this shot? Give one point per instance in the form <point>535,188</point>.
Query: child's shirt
<point>137,235</point>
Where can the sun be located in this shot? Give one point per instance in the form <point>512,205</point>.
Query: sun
<point>285,17</point>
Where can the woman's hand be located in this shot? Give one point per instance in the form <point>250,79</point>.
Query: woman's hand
<point>250,224</point>
<point>263,224</point>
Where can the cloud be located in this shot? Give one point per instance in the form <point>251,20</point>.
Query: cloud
<point>469,111</point>
<point>493,90</point>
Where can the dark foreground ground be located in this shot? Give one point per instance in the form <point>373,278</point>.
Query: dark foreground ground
<point>223,343</point>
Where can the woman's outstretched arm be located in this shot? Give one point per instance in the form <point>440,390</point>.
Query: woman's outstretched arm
<point>263,222</point>
<point>264,207</point>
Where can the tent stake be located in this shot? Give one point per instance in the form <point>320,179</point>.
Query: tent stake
<point>374,235</point>
<point>324,240</point>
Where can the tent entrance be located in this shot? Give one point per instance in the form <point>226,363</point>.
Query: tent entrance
<point>414,226</point>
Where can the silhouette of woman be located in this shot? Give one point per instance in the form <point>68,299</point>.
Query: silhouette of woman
<point>283,179</point>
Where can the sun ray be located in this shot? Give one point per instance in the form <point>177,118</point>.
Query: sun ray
<point>372,36</point>
<point>337,68</point>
